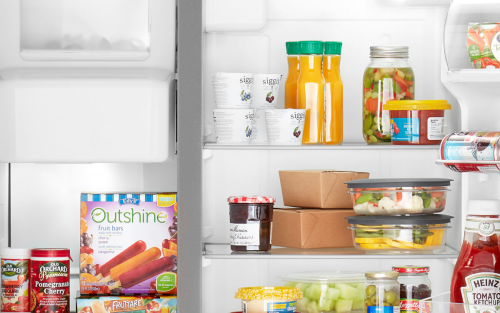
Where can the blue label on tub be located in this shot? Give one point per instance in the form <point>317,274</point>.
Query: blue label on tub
<point>278,307</point>
<point>405,129</point>
<point>381,309</point>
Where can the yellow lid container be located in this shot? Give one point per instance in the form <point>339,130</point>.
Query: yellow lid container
<point>268,293</point>
<point>412,105</point>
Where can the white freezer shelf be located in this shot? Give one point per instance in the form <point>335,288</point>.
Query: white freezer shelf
<point>343,146</point>
<point>223,251</point>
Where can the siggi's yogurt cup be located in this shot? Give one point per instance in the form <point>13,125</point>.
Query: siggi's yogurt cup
<point>233,125</point>
<point>259,128</point>
<point>232,90</point>
<point>265,91</point>
<point>285,127</point>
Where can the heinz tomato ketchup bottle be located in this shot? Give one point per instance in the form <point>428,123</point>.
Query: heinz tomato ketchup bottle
<point>476,278</point>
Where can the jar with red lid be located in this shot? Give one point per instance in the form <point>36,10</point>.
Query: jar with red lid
<point>250,221</point>
<point>415,286</point>
<point>50,273</point>
<point>417,122</point>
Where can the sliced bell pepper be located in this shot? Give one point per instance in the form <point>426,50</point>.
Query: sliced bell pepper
<point>401,82</point>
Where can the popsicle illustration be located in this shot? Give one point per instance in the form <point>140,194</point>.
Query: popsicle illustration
<point>143,258</point>
<point>144,272</point>
<point>135,249</point>
<point>97,307</point>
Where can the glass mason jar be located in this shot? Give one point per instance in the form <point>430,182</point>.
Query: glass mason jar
<point>415,286</point>
<point>381,292</point>
<point>389,76</point>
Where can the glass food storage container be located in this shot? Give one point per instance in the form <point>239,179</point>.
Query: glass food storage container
<point>389,76</point>
<point>398,196</point>
<point>328,291</point>
<point>268,299</point>
<point>415,234</point>
<point>250,221</point>
<point>382,292</point>
<point>415,285</point>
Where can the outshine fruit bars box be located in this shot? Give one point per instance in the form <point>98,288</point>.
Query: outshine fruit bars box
<point>128,243</point>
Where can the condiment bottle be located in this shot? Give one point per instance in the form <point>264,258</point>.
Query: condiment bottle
<point>292,51</point>
<point>476,277</point>
<point>311,91</point>
<point>333,94</point>
<point>415,286</point>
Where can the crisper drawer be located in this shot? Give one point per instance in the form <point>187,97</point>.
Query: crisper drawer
<point>84,120</point>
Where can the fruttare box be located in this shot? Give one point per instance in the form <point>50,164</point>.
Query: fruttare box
<point>139,304</point>
<point>128,243</point>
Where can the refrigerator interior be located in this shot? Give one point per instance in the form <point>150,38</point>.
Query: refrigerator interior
<point>255,43</point>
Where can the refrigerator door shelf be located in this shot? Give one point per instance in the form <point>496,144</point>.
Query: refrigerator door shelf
<point>85,120</point>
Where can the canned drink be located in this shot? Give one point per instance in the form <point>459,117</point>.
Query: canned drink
<point>471,146</point>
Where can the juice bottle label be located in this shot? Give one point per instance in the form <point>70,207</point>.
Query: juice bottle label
<point>482,289</point>
<point>50,285</point>
<point>15,285</point>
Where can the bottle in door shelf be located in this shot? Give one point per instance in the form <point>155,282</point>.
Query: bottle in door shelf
<point>333,94</point>
<point>15,280</point>
<point>387,77</point>
<point>478,264</point>
<point>292,51</point>
<point>311,91</point>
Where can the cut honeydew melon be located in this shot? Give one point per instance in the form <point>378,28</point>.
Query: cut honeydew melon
<point>314,292</point>
<point>301,304</point>
<point>353,285</point>
<point>343,306</point>
<point>332,293</point>
<point>347,292</point>
<point>290,284</point>
<point>358,304</point>
<point>312,307</point>
<point>302,287</point>
<point>326,305</point>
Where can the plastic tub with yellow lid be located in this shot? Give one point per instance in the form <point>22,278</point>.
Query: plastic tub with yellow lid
<point>268,299</point>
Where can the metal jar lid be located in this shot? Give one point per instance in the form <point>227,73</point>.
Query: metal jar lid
<point>390,274</point>
<point>389,52</point>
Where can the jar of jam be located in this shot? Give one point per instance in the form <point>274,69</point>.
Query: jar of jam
<point>250,221</point>
<point>415,286</point>
<point>381,292</point>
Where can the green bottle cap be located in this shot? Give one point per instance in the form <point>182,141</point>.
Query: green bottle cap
<point>311,47</point>
<point>333,47</point>
<point>292,47</point>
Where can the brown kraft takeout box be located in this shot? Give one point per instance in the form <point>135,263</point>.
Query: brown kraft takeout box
<point>322,189</point>
<point>311,228</point>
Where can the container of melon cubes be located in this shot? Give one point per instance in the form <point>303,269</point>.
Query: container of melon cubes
<point>328,291</point>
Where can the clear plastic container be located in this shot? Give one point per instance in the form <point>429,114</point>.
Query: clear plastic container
<point>268,299</point>
<point>416,234</point>
<point>398,196</point>
<point>382,292</point>
<point>328,291</point>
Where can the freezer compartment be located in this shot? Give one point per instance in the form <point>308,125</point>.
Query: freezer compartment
<point>85,120</point>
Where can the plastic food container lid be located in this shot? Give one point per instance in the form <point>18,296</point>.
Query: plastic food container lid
<point>325,277</point>
<point>398,182</point>
<point>410,269</point>
<point>403,105</point>
<point>51,253</point>
<point>382,274</point>
<point>252,199</point>
<point>268,293</point>
<point>15,253</point>
<point>377,220</point>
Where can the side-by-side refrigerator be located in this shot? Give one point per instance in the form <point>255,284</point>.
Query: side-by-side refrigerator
<point>121,97</point>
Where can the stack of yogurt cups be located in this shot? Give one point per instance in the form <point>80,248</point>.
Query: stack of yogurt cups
<point>246,111</point>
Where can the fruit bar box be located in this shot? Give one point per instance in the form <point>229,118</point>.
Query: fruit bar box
<point>140,304</point>
<point>128,243</point>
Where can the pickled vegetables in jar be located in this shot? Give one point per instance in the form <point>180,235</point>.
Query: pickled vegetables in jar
<point>387,77</point>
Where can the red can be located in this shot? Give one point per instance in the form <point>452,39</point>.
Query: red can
<point>50,272</point>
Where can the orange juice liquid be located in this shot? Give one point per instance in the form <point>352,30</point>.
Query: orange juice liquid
<point>291,82</point>
<point>334,100</point>
<point>311,97</point>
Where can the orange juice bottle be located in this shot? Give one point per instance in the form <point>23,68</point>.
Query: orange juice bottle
<point>292,50</point>
<point>333,94</point>
<point>311,91</point>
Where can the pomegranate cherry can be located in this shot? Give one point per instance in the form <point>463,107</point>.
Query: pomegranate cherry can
<point>50,270</point>
<point>15,268</point>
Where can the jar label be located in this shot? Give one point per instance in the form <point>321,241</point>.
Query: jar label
<point>15,285</point>
<point>482,225</point>
<point>245,234</point>
<point>435,128</point>
<point>405,129</point>
<point>383,309</point>
<point>50,285</point>
<point>409,305</point>
<point>482,289</point>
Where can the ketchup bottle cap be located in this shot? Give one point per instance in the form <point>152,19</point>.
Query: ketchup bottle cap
<point>483,207</point>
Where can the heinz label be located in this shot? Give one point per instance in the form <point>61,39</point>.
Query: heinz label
<point>15,285</point>
<point>482,289</point>
<point>50,285</point>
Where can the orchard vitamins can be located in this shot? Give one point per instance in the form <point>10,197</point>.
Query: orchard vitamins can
<point>15,280</point>
<point>50,280</point>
